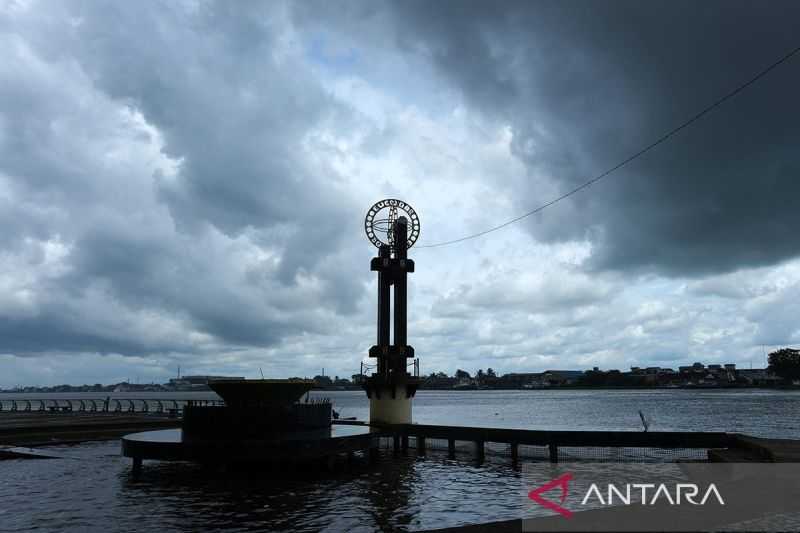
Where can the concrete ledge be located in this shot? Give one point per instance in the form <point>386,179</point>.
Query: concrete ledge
<point>35,429</point>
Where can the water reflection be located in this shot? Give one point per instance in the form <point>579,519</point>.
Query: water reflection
<point>398,493</point>
<point>404,492</point>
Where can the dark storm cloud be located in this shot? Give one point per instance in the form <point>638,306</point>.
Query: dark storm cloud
<point>55,330</point>
<point>586,84</point>
<point>232,115</point>
<point>184,182</point>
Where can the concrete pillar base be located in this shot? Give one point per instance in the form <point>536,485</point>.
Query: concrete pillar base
<point>383,409</point>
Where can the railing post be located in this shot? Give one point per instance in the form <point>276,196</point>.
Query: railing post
<point>553,452</point>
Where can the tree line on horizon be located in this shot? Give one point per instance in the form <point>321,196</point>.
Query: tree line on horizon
<point>783,363</point>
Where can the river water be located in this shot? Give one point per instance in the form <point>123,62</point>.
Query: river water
<point>93,491</point>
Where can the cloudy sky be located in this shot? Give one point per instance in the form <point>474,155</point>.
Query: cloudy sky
<point>184,183</point>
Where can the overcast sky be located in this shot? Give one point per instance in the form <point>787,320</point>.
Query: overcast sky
<point>184,183</point>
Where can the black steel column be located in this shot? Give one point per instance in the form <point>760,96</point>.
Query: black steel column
<point>400,302</point>
<point>384,282</point>
<point>392,354</point>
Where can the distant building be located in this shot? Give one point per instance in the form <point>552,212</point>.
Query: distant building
<point>562,377</point>
<point>198,382</point>
<point>520,380</point>
<point>758,376</point>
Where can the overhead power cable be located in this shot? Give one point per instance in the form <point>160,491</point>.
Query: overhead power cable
<point>641,152</point>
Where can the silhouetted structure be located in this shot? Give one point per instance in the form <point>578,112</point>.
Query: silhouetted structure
<point>391,388</point>
<point>261,423</point>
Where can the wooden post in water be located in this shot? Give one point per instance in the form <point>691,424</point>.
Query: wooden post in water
<point>372,453</point>
<point>420,445</point>
<point>514,453</point>
<point>480,450</point>
<point>136,468</point>
<point>451,448</point>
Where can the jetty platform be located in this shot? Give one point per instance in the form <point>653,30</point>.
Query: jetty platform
<point>559,446</point>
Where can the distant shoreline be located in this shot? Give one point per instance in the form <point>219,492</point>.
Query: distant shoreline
<point>622,387</point>
<point>477,389</point>
<point>585,387</point>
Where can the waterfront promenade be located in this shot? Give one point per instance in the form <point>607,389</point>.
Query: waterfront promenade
<point>35,428</point>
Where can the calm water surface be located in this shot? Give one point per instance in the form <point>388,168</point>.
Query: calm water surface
<point>94,491</point>
<point>760,412</point>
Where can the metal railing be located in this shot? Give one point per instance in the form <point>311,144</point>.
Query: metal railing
<point>366,367</point>
<point>99,405</point>
<point>415,364</point>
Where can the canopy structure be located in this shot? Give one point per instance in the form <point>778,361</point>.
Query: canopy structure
<point>251,392</point>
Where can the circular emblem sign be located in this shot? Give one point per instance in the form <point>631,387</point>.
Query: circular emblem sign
<point>380,219</point>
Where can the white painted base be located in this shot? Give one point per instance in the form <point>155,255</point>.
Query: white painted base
<point>388,410</point>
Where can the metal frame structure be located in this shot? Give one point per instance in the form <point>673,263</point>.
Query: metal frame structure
<point>393,267</point>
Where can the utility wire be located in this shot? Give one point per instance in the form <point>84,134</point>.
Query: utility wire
<point>641,152</point>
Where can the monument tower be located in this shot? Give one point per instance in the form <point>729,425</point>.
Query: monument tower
<point>393,227</point>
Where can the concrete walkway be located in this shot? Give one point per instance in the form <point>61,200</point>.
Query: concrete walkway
<point>34,428</point>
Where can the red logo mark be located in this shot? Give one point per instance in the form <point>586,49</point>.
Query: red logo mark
<point>563,482</point>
